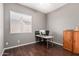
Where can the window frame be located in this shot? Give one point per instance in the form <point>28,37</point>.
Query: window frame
<point>20,31</point>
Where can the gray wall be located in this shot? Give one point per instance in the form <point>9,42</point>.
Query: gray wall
<point>1,29</point>
<point>38,23</point>
<point>66,17</point>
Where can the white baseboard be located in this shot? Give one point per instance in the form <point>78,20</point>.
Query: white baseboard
<point>26,44</point>
<point>19,45</point>
<point>1,52</point>
<point>58,43</point>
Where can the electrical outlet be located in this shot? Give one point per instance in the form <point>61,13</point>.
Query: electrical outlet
<point>7,43</point>
<point>18,41</point>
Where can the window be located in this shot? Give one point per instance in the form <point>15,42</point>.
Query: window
<point>20,23</point>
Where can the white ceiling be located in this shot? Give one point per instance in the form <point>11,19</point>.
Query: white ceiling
<point>44,7</point>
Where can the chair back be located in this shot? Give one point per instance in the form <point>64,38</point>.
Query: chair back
<point>47,32</point>
<point>37,33</point>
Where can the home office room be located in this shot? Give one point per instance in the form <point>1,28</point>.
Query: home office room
<point>39,29</point>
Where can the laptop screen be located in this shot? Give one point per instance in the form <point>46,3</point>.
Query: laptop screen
<point>42,32</point>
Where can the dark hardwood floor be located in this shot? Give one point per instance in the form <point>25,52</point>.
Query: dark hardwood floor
<point>38,49</point>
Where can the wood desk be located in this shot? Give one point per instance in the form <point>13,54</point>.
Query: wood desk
<point>47,38</point>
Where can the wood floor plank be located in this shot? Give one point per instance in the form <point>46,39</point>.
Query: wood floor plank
<point>38,50</point>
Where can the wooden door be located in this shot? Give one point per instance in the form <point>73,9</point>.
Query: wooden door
<point>68,36</point>
<point>76,42</point>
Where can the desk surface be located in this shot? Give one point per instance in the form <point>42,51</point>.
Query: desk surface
<point>43,36</point>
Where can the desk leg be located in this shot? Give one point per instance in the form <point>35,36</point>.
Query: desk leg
<point>47,43</point>
<point>52,42</point>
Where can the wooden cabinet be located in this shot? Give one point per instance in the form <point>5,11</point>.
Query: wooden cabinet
<point>71,41</point>
<point>76,42</point>
<point>68,36</point>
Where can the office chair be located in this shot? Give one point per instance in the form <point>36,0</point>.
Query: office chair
<point>38,39</point>
<point>46,33</point>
